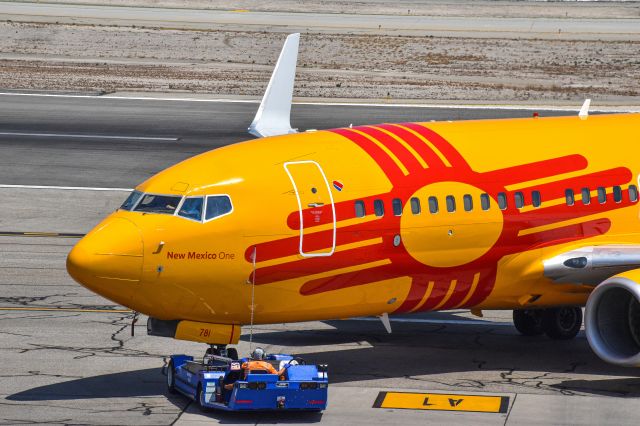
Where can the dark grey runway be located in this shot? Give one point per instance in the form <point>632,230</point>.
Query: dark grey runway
<point>197,126</point>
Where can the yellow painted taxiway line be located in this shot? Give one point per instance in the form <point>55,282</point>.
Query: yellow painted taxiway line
<point>33,308</point>
<point>442,402</point>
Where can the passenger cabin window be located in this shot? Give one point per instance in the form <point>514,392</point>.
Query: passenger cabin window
<point>536,198</point>
<point>433,205</point>
<point>633,193</point>
<point>360,210</point>
<point>415,205</point>
<point>502,201</point>
<point>451,204</point>
<point>617,194</point>
<point>218,205</point>
<point>467,200</point>
<point>602,195</point>
<point>586,196</point>
<point>396,204</point>
<point>569,197</point>
<point>519,199</point>
<point>163,204</point>
<point>485,202</point>
<point>192,208</point>
<point>131,201</point>
<point>378,208</point>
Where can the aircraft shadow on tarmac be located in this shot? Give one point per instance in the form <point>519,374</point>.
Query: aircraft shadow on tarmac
<point>463,357</point>
<point>434,353</point>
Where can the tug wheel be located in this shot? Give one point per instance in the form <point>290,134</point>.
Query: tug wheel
<point>562,323</point>
<point>171,378</point>
<point>528,321</point>
<point>200,398</point>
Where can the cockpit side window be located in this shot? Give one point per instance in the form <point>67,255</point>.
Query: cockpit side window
<point>218,205</point>
<point>192,208</point>
<point>163,204</point>
<point>131,201</point>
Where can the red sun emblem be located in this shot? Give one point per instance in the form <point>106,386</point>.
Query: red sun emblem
<point>416,160</point>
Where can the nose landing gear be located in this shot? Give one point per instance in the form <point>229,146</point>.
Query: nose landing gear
<point>561,323</point>
<point>222,350</point>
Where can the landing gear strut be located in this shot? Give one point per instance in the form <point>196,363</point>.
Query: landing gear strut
<point>558,323</point>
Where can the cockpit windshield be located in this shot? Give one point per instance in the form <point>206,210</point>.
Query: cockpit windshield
<point>192,208</point>
<point>164,204</point>
<point>131,200</point>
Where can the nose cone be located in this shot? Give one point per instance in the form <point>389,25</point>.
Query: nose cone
<point>108,260</point>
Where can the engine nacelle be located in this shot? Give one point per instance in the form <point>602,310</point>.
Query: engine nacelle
<point>612,319</point>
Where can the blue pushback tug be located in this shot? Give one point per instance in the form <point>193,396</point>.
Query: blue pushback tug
<point>301,387</point>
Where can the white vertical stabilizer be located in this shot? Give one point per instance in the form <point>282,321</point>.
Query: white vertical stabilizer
<point>274,115</point>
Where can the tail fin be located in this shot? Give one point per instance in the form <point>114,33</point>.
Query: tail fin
<point>274,115</point>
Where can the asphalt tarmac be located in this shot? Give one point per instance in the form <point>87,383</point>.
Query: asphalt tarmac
<point>68,356</point>
<point>539,27</point>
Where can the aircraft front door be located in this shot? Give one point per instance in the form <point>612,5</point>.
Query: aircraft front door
<point>317,213</point>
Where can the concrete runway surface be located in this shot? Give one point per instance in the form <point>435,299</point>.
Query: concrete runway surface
<point>582,29</point>
<point>68,356</point>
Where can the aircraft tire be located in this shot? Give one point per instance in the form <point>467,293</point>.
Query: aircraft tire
<point>562,323</point>
<point>171,378</point>
<point>232,353</point>
<point>200,398</point>
<point>528,321</point>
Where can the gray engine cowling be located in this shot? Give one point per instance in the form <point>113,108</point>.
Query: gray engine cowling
<point>612,320</point>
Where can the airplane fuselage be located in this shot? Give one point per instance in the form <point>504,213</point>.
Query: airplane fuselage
<point>366,220</point>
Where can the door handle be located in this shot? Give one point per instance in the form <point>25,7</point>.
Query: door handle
<point>315,204</point>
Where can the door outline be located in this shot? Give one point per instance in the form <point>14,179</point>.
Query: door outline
<point>333,208</point>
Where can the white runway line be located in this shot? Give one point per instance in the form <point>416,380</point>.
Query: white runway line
<point>436,321</point>
<point>66,188</point>
<point>575,108</point>
<point>72,135</point>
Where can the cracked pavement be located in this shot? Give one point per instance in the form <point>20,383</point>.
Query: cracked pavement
<point>68,366</point>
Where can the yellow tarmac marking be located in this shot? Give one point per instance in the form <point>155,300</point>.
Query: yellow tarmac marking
<point>31,308</point>
<point>240,10</point>
<point>442,402</point>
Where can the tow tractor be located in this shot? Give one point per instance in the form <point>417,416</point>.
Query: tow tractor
<point>220,382</point>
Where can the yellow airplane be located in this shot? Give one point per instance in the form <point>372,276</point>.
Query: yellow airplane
<point>538,215</point>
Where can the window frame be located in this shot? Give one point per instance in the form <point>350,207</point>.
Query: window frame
<point>505,204</point>
<point>206,204</point>
<point>617,193</point>
<point>633,199</point>
<point>585,200</point>
<point>469,198</point>
<point>436,204</point>
<point>485,201</point>
<point>536,198</point>
<point>602,191</point>
<point>450,202</point>
<point>415,201</point>
<point>519,203</point>
<point>160,195</point>
<point>375,210</point>
<point>184,199</point>
<point>569,197</point>
<point>394,203</point>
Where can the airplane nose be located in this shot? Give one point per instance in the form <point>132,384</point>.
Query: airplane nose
<point>108,260</point>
